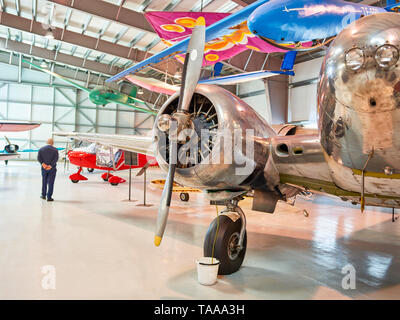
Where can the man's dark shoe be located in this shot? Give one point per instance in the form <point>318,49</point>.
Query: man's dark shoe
<point>43,197</point>
<point>50,199</point>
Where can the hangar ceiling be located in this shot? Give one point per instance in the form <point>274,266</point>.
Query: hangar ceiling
<point>99,38</point>
<point>92,39</point>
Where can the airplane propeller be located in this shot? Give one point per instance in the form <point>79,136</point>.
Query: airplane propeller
<point>100,95</point>
<point>181,120</point>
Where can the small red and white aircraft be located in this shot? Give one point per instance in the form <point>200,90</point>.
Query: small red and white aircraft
<point>92,157</point>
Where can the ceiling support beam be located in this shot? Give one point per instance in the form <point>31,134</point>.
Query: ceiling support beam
<point>15,46</point>
<point>108,11</point>
<point>90,43</point>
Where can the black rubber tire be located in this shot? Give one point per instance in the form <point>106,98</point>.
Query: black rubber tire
<point>6,162</point>
<point>75,181</point>
<point>90,170</point>
<point>184,196</point>
<point>227,227</point>
<point>114,184</point>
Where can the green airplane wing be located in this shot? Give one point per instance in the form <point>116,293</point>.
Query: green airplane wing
<point>76,85</point>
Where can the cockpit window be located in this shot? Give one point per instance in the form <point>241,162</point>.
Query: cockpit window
<point>91,148</point>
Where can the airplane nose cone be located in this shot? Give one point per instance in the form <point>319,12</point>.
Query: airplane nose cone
<point>362,67</point>
<point>359,94</point>
<point>292,21</point>
<point>266,21</point>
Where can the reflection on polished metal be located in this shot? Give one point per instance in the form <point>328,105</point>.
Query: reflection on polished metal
<point>100,248</point>
<point>231,113</point>
<point>359,103</point>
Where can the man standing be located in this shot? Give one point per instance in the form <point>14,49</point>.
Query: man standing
<point>48,157</point>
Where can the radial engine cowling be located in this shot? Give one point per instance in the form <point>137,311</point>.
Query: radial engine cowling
<point>226,146</point>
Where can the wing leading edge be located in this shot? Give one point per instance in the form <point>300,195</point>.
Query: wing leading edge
<point>133,143</point>
<point>17,126</point>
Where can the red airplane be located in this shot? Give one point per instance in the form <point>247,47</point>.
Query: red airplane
<point>88,158</point>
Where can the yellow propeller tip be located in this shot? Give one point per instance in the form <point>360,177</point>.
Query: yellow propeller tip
<point>201,21</point>
<point>157,241</point>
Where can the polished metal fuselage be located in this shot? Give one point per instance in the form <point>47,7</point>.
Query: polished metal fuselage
<point>359,111</point>
<point>359,117</point>
<point>216,173</point>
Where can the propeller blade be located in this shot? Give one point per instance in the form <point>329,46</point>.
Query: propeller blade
<point>8,141</point>
<point>165,204</point>
<point>57,76</point>
<point>191,76</point>
<point>193,62</point>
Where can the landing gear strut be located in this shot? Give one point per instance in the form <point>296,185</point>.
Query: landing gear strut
<point>231,240</point>
<point>76,177</point>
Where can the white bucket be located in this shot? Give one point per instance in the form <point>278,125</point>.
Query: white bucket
<point>207,271</point>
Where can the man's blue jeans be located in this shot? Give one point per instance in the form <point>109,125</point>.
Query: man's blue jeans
<point>48,177</point>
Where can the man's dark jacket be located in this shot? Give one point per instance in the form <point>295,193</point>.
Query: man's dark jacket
<point>48,155</point>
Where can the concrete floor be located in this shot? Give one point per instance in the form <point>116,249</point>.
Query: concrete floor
<point>101,245</point>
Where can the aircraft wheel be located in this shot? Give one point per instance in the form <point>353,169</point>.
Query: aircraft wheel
<point>6,162</point>
<point>90,170</point>
<point>75,181</point>
<point>184,197</point>
<point>105,179</point>
<point>225,249</point>
<point>114,184</point>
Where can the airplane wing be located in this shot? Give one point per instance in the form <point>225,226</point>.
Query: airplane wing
<point>36,150</point>
<point>133,143</point>
<point>216,30</point>
<point>153,84</point>
<point>244,77</point>
<point>6,156</point>
<point>17,126</point>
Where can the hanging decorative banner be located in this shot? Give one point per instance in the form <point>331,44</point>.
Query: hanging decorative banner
<point>172,27</point>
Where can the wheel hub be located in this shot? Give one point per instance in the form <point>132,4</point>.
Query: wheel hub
<point>233,247</point>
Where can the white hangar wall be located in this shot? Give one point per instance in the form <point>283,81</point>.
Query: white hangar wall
<point>34,96</point>
<point>269,98</point>
<point>254,94</point>
<point>302,95</point>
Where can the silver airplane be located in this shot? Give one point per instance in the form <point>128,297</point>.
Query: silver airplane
<point>354,154</point>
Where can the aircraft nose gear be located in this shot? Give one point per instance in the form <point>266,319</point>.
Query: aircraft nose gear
<point>228,231</point>
<point>184,196</point>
